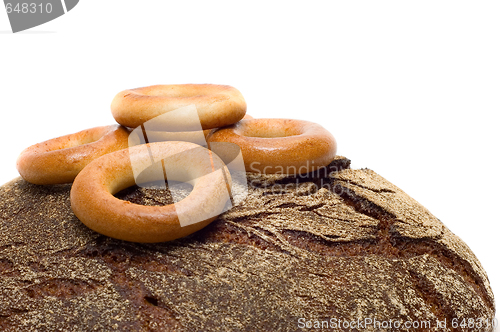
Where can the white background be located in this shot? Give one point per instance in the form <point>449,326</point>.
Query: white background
<point>409,89</point>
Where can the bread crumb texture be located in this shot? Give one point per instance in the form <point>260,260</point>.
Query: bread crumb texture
<point>339,244</point>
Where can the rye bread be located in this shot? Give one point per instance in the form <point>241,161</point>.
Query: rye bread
<point>337,246</point>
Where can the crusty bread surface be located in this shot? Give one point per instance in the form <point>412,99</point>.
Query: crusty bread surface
<point>339,245</point>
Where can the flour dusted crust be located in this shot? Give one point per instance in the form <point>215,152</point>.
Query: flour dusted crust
<point>343,245</point>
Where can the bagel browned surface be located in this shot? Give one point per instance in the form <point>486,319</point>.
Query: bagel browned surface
<point>59,160</point>
<point>93,202</point>
<point>345,244</point>
<point>216,105</point>
<point>278,146</point>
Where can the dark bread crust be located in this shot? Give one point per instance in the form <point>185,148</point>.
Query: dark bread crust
<point>344,245</point>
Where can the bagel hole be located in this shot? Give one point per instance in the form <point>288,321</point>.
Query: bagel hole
<point>156,193</point>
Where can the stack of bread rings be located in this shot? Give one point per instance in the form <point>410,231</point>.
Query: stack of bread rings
<point>105,160</point>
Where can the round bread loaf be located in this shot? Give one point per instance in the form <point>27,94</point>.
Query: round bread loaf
<point>305,252</point>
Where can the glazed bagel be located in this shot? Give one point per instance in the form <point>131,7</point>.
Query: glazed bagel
<point>59,160</point>
<point>277,146</point>
<point>216,105</point>
<point>93,202</point>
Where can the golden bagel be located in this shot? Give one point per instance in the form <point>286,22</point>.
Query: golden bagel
<point>216,105</point>
<point>282,146</point>
<point>93,202</point>
<point>59,160</point>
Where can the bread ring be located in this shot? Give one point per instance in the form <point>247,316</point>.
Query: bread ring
<point>217,105</point>
<point>93,202</point>
<point>280,146</point>
<point>59,160</point>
